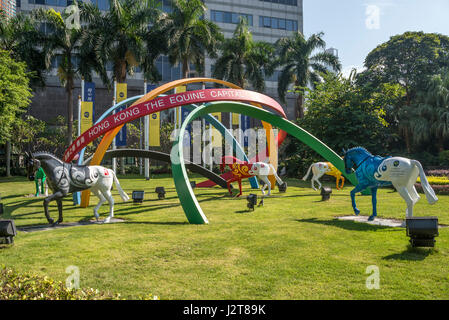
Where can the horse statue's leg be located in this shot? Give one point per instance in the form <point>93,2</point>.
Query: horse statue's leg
<point>374,203</point>
<point>315,177</point>
<point>229,186</point>
<point>413,195</point>
<point>59,202</point>
<point>266,185</point>
<point>240,188</point>
<point>342,179</point>
<point>358,188</point>
<point>47,200</point>
<point>100,203</point>
<point>107,194</point>
<point>402,190</point>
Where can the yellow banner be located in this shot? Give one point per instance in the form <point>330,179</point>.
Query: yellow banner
<point>216,135</point>
<point>235,118</point>
<point>155,128</point>
<point>122,92</point>
<point>86,116</point>
<point>217,115</point>
<point>178,109</point>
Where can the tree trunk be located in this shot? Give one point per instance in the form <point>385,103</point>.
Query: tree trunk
<point>8,158</point>
<point>69,89</point>
<point>441,144</point>
<point>407,140</point>
<point>407,132</point>
<point>185,67</point>
<point>299,112</point>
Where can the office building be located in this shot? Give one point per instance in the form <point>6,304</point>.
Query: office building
<point>269,20</point>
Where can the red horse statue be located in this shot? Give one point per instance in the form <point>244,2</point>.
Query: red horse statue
<point>243,170</point>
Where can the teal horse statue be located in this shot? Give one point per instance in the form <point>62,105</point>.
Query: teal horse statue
<point>373,172</point>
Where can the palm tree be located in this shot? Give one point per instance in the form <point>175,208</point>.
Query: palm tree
<point>18,36</point>
<point>189,35</point>
<point>430,118</point>
<point>61,41</point>
<point>244,61</point>
<point>300,66</point>
<point>122,36</point>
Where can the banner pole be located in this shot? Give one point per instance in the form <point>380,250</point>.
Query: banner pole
<point>114,160</point>
<point>146,138</point>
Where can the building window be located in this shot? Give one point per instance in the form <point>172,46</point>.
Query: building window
<point>286,2</point>
<point>230,17</point>
<point>61,3</point>
<point>278,23</point>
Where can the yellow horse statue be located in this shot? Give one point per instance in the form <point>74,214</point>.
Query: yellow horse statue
<point>321,168</point>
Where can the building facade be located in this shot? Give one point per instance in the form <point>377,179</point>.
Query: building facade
<point>269,20</point>
<point>8,7</point>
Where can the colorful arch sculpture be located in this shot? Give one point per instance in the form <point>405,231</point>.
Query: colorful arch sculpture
<point>112,124</point>
<point>164,157</point>
<point>109,136</point>
<point>214,122</point>
<point>192,209</point>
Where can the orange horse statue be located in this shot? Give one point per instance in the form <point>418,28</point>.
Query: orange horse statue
<point>321,168</point>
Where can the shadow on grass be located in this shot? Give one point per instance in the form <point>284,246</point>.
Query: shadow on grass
<point>348,225</point>
<point>171,223</point>
<point>411,254</point>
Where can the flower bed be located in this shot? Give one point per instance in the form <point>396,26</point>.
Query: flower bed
<point>439,189</point>
<point>438,172</point>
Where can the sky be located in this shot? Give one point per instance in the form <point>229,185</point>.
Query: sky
<point>355,27</point>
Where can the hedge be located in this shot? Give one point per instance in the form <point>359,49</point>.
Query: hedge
<point>18,286</point>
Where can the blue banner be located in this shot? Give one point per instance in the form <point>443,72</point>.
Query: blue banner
<point>150,87</point>
<point>89,96</point>
<point>245,124</point>
<point>184,114</point>
<point>120,138</point>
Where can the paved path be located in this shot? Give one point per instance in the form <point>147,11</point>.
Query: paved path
<point>396,223</point>
<point>47,227</point>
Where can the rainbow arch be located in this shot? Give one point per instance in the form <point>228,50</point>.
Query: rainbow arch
<point>233,100</point>
<point>110,126</point>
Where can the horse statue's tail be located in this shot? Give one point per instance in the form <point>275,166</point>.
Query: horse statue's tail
<point>430,194</point>
<point>308,172</point>
<point>278,179</point>
<point>122,193</point>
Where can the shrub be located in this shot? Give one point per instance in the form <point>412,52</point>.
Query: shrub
<point>439,189</point>
<point>443,158</point>
<point>17,286</point>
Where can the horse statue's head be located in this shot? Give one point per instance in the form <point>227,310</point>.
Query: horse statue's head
<point>32,165</point>
<point>354,157</point>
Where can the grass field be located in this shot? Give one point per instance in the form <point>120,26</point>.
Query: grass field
<point>292,248</point>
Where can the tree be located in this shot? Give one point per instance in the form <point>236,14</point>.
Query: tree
<point>431,112</point>
<point>244,61</point>
<point>358,119</point>
<point>15,95</point>
<point>408,60</point>
<point>301,67</point>
<point>122,36</point>
<point>190,37</point>
<point>18,36</point>
<point>62,41</point>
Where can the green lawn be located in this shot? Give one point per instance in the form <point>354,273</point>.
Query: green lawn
<point>292,248</point>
